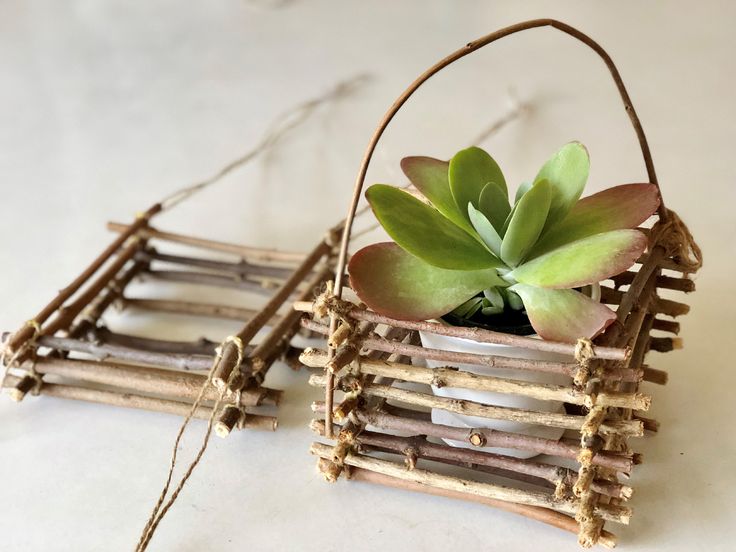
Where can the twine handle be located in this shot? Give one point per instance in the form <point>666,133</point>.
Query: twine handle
<point>453,57</point>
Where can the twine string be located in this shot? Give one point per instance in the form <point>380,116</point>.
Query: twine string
<point>160,509</point>
<point>280,127</point>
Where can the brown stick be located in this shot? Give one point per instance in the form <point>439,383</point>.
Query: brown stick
<point>205,279</point>
<point>667,307</point>
<point>449,377</point>
<point>242,269</point>
<point>494,361</point>
<point>478,334</point>
<point>202,346</point>
<point>485,437</point>
<point>142,379</point>
<point>665,282</point>
<point>472,408</point>
<point>512,467</point>
<point>185,307</point>
<point>25,333</point>
<point>102,352</point>
<point>488,490</point>
<point>129,400</point>
<point>68,313</point>
<point>545,515</point>
<point>669,326</point>
<point>102,302</point>
<point>278,339</point>
<point>249,253</point>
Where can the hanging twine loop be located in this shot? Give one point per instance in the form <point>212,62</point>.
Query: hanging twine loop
<point>161,508</point>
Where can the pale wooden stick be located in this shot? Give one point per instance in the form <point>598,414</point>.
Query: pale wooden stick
<point>618,514</point>
<point>475,459</point>
<point>242,269</point>
<point>545,515</point>
<point>25,333</point>
<point>102,351</point>
<point>68,313</point>
<point>483,437</point>
<point>478,334</point>
<point>449,377</point>
<point>102,335</point>
<point>195,309</point>
<point>250,253</point>
<point>494,361</point>
<point>102,302</point>
<point>143,379</point>
<point>129,400</point>
<point>281,334</point>
<point>471,408</point>
<point>205,279</point>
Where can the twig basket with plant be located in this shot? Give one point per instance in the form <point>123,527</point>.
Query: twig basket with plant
<point>529,319</point>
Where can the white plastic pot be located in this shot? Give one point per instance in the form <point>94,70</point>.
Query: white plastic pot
<point>439,416</point>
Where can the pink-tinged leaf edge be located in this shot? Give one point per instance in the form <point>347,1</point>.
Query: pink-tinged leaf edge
<point>563,314</point>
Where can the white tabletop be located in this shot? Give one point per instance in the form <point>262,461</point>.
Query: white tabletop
<point>107,106</point>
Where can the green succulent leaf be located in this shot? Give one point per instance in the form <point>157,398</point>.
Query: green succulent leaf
<point>469,172</point>
<point>563,314</point>
<point>422,231</point>
<point>429,176</point>
<point>616,208</point>
<point>521,190</point>
<point>584,261</point>
<point>394,283</point>
<point>485,229</point>
<point>566,171</point>
<point>469,308</point>
<point>494,204</point>
<point>526,223</point>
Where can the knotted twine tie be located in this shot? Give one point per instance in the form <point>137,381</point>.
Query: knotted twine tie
<point>590,524</point>
<point>160,509</point>
<point>12,361</point>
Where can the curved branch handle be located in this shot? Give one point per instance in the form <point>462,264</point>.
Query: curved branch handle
<point>468,49</point>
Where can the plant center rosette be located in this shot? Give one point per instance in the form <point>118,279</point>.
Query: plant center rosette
<point>469,255</point>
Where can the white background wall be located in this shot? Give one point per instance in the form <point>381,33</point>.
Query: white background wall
<point>107,106</point>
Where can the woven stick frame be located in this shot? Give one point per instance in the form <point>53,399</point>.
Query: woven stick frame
<point>65,351</point>
<point>373,416</point>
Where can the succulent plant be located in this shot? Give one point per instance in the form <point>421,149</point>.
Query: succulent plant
<point>468,250</point>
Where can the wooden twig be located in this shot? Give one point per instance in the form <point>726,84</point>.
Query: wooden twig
<point>488,490</point>
<point>254,254</point>
<point>25,333</point>
<point>449,377</point>
<point>211,310</point>
<point>665,282</point>
<point>474,459</point>
<point>103,351</point>
<point>103,335</point>
<point>242,269</point>
<point>477,334</point>
<point>206,279</point>
<point>544,515</point>
<point>280,336</point>
<point>142,379</point>
<point>483,437</point>
<point>493,361</point>
<point>129,400</point>
<point>472,408</point>
<point>102,302</point>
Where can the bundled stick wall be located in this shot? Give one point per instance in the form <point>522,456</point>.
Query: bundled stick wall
<point>66,351</point>
<point>375,429</point>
